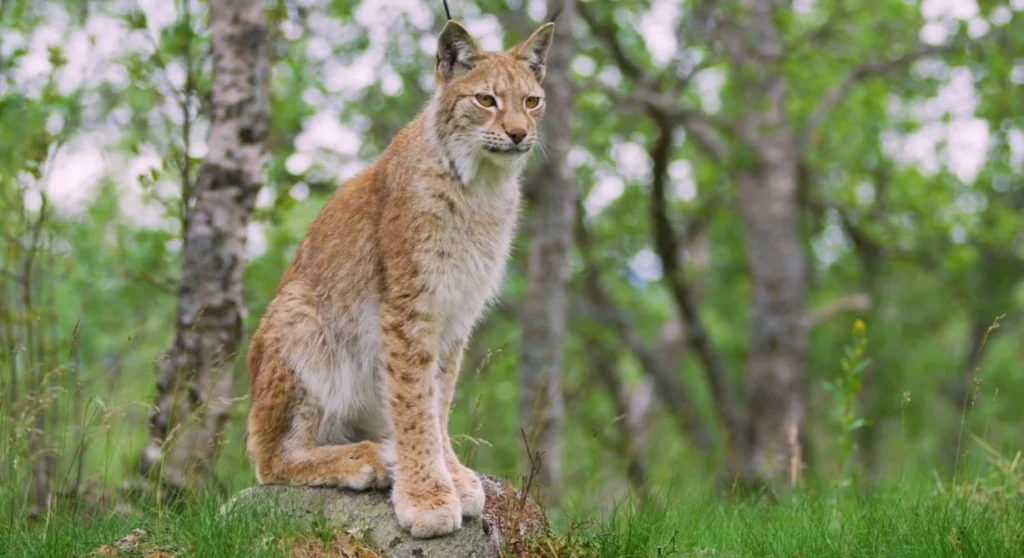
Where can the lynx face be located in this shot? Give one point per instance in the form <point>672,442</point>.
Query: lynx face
<point>489,103</point>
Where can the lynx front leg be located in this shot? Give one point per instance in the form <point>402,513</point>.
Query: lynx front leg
<point>425,499</point>
<point>467,484</point>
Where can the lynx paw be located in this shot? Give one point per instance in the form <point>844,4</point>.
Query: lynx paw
<point>428,514</point>
<point>469,489</point>
<point>382,473</point>
<point>365,469</point>
<point>367,477</point>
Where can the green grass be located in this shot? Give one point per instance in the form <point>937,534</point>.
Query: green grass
<point>197,528</point>
<point>898,522</point>
<point>894,521</point>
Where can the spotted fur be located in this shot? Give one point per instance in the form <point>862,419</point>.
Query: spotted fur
<point>354,365</point>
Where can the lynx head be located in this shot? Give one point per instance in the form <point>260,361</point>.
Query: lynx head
<point>488,104</point>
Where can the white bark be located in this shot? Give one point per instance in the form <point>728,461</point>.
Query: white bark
<point>195,382</point>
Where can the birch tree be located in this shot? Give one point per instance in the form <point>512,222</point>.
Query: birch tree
<point>195,375</point>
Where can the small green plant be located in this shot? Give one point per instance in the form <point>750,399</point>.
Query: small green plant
<point>844,391</point>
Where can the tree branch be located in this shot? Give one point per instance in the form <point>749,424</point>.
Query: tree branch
<point>682,83</point>
<point>605,34</point>
<point>835,307</point>
<point>633,435</point>
<point>672,392</point>
<point>672,269</point>
<point>823,35</point>
<point>864,70</point>
<point>642,99</point>
<point>703,128</point>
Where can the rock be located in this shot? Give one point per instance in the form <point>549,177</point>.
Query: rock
<point>509,522</point>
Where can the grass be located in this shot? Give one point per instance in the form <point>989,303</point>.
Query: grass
<point>196,528</point>
<point>896,522</point>
<point>900,520</point>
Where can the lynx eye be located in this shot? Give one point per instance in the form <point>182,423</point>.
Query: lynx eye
<point>532,102</point>
<point>485,101</point>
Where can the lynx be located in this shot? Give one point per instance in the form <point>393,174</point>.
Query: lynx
<point>354,364</point>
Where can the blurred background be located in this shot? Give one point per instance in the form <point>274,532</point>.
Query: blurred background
<point>768,243</point>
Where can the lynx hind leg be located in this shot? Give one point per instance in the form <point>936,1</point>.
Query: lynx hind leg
<point>299,460</point>
<point>284,417</point>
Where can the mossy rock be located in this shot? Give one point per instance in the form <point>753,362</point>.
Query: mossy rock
<point>509,521</point>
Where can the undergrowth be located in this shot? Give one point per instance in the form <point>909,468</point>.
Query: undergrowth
<point>903,520</point>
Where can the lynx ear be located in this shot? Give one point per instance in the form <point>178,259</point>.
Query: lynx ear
<point>533,52</point>
<point>457,52</point>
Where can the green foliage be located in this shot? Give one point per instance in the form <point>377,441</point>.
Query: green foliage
<point>845,389</point>
<point>936,253</point>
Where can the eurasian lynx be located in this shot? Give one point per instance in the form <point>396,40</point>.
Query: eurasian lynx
<point>353,366</point>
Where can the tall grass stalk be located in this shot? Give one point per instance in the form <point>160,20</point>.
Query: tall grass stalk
<point>844,390</point>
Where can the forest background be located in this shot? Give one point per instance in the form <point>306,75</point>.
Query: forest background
<point>770,247</point>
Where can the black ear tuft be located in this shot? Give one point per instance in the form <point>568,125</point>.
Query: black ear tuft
<point>554,15</point>
<point>533,52</point>
<point>457,52</point>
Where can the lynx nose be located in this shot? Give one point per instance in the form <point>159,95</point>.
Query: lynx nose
<point>517,135</point>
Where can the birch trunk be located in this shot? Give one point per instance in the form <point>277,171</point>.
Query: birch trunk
<point>195,376</point>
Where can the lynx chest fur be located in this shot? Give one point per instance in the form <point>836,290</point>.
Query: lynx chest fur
<point>463,261</point>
